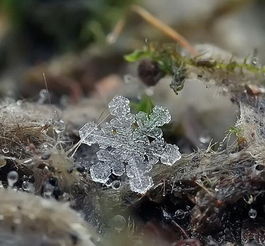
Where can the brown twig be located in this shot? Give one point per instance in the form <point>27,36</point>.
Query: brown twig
<point>118,28</point>
<point>167,30</point>
<point>151,19</point>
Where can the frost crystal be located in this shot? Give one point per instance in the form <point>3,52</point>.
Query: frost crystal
<point>129,144</point>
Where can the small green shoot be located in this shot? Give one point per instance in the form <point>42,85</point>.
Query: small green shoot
<point>145,105</point>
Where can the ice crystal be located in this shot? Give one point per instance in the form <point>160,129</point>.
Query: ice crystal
<point>129,144</point>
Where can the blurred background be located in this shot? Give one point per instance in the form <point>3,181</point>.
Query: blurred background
<point>67,47</point>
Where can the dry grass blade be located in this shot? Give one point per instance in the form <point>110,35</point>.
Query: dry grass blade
<point>167,30</point>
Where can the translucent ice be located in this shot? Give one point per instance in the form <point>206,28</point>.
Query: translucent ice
<point>100,172</point>
<point>119,106</point>
<point>170,155</point>
<point>129,144</point>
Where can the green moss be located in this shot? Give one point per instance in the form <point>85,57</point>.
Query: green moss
<point>172,63</point>
<point>237,131</point>
<point>145,105</point>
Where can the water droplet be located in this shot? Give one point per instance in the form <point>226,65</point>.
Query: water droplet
<point>43,96</point>
<point>254,60</point>
<point>19,102</point>
<point>252,213</point>
<point>66,197</point>
<point>28,161</point>
<point>258,169</point>
<point>48,190</point>
<point>180,214</point>
<point>45,147</point>
<point>44,93</point>
<point>204,139</point>
<point>116,184</point>
<point>12,178</point>
<point>248,199</point>
<point>59,126</point>
<point>118,222</point>
<point>46,156</point>
<point>5,150</point>
<point>27,186</point>
<point>46,169</point>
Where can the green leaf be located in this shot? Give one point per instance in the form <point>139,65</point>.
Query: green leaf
<point>137,55</point>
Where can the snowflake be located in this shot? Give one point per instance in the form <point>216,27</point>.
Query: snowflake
<point>129,144</point>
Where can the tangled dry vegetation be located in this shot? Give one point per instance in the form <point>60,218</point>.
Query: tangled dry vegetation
<point>213,196</point>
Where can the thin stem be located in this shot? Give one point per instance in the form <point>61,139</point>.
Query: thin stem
<point>118,28</point>
<point>147,16</point>
<point>180,228</point>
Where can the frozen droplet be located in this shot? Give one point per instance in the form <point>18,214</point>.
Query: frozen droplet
<point>66,197</point>
<point>252,213</point>
<point>180,214</point>
<point>5,150</point>
<point>44,146</point>
<point>118,222</point>
<point>254,61</point>
<point>46,169</point>
<point>59,126</point>
<point>258,169</point>
<point>170,155</point>
<point>28,161</point>
<point>48,190</point>
<point>19,102</point>
<point>12,178</point>
<point>116,184</point>
<point>44,93</point>
<point>27,186</point>
<point>46,156</point>
<point>43,96</point>
<point>204,139</point>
